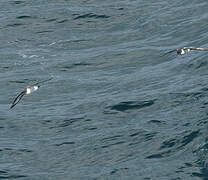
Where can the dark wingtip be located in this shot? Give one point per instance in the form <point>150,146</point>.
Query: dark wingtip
<point>11,106</point>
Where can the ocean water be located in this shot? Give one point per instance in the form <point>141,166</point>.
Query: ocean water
<point>115,108</point>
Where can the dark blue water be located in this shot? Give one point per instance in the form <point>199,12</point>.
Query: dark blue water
<point>115,108</point>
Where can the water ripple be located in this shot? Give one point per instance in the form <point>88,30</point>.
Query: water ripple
<point>91,15</point>
<point>24,17</point>
<point>173,145</point>
<point>65,143</point>
<point>131,105</point>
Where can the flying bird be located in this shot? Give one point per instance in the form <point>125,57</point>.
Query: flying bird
<point>184,50</point>
<point>27,90</point>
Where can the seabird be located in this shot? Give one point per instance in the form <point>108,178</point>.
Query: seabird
<point>27,90</point>
<point>184,50</point>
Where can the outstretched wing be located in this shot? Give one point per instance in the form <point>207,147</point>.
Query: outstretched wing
<point>36,83</point>
<point>199,49</point>
<point>17,99</point>
<point>169,52</point>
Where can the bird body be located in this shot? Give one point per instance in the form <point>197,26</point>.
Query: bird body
<point>31,89</point>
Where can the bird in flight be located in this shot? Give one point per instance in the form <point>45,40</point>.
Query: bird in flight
<point>184,50</point>
<point>27,90</point>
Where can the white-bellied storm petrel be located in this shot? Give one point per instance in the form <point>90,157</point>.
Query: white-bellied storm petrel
<point>184,50</point>
<point>27,90</point>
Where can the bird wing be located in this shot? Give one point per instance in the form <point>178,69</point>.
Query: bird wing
<point>169,52</point>
<point>36,83</point>
<point>199,49</point>
<point>17,99</point>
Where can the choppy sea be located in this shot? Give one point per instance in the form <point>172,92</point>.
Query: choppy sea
<point>115,108</point>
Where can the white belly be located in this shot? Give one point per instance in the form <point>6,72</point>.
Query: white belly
<point>31,89</point>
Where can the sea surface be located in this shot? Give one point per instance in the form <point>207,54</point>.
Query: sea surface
<point>116,108</point>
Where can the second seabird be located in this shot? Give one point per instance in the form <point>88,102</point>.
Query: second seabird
<point>184,50</point>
